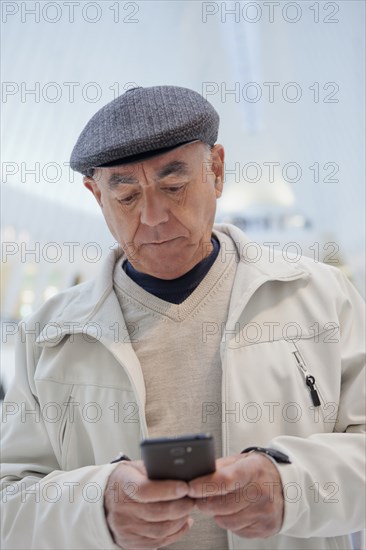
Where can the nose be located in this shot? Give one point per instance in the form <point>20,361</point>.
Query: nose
<point>153,209</point>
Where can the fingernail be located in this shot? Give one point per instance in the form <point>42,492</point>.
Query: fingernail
<point>181,490</point>
<point>191,492</point>
<point>190,522</point>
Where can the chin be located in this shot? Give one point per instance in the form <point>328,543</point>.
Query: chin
<point>166,273</point>
<point>165,269</point>
<point>166,261</point>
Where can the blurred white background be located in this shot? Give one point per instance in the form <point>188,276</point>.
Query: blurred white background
<point>287,79</point>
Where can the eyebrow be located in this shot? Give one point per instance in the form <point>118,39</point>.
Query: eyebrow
<point>175,167</point>
<point>119,179</point>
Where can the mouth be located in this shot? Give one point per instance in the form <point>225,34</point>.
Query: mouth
<point>159,243</point>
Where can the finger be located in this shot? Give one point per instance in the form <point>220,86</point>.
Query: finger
<point>234,522</point>
<point>131,541</point>
<point>214,485</point>
<point>226,504</point>
<point>237,523</point>
<point>158,530</point>
<point>133,481</point>
<point>159,511</point>
<point>245,496</point>
<point>255,531</point>
<point>165,490</point>
<point>261,526</point>
<point>179,534</point>
<point>234,475</point>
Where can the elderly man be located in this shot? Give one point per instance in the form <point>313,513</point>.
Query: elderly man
<point>182,332</point>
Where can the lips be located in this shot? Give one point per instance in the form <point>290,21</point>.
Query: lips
<point>162,242</point>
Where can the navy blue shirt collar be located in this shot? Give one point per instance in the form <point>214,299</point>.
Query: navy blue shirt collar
<point>177,290</point>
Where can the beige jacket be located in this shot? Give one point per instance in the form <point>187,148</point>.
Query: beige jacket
<point>78,400</point>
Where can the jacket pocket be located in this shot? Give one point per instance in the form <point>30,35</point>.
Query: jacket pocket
<point>265,392</point>
<point>316,396</point>
<point>65,424</point>
<point>308,377</point>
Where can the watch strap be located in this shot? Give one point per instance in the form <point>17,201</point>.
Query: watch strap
<point>278,456</point>
<point>120,458</point>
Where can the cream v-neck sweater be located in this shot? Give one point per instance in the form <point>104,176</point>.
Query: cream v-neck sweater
<point>178,347</point>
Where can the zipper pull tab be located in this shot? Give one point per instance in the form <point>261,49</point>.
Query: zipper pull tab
<point>310,381</point>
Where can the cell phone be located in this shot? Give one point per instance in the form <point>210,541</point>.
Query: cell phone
<point>184,457</point>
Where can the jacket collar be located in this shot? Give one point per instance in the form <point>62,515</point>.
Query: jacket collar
<point>257,260</point>
<point>94,312</point>
<point>256,267</point>
<point>93,308</point>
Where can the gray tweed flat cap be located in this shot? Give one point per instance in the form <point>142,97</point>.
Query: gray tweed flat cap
<point>144,122</point>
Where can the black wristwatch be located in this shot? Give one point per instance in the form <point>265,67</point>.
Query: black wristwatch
<point>120,458</point>
<point>279,457</point>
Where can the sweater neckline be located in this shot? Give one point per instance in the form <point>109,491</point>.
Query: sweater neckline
<point>177,290</point>
<point>128,290</point>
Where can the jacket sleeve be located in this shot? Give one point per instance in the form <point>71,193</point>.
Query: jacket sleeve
<point>325,484</point>
<point>43,507</point>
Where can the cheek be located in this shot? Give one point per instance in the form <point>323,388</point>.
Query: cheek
<point>203,207</point>
<point>116,222</point>
<point>124,228</point>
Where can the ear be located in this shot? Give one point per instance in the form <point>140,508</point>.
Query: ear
<point>93,187</point>
<point>218,167</point>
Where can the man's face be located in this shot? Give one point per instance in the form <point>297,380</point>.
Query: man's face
<point>162,210</point>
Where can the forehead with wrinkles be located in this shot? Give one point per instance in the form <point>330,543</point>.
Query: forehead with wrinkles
<point>167,166</point>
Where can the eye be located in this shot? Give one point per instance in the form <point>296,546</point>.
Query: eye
<point>174,189</point>
<point>129,199</point>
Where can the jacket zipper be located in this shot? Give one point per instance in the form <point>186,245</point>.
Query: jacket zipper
<point>309,379</point>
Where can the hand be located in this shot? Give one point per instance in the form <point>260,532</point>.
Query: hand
<point>244,495</point>
<point>142,513</point>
